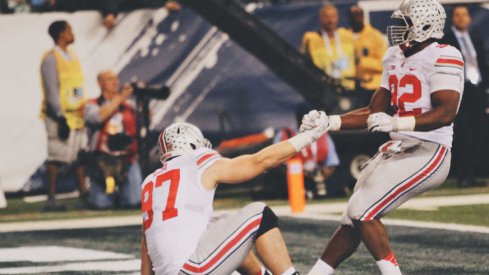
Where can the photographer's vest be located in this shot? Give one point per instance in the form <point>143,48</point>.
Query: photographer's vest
<point>71,93</point>
<point>123,120</point>
<point>335,56</point>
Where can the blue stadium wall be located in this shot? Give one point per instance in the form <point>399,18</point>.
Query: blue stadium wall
<point>239,95</point>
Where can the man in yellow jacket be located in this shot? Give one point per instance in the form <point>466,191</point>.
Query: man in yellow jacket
<point>370,46</point>
<point>62,109</point>
<point>331,49</point>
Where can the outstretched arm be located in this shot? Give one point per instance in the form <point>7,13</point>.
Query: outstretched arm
<point>246,167</point>
<point>357,119</point>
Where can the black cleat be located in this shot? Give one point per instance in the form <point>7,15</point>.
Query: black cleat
<point>82,202</point>
<point>53,206</point>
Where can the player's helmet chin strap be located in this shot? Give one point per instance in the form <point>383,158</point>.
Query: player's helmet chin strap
<point>411,48</point>
<point>172,154</point>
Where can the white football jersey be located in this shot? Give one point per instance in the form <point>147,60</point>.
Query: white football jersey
<point>176,209</point>
<point>411,81</point>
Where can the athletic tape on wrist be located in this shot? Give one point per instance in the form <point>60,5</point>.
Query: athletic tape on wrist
<point>334,123</point>
<point>300,141</point>
<point>403,123</point>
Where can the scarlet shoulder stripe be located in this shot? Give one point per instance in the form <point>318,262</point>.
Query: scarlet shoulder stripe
<point>205,157</point>
<point>449,61</point>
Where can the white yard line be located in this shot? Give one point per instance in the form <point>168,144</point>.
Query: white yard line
<point>70,224</point>
<point>408,223</point>
<point>49,254</point>
<point>420,203</point>
<point>96,266</point>
<point>39,198</point>
<point>319,211</point>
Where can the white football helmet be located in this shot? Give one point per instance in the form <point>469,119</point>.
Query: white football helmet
<point>181,138</point>
<point>419,21</point>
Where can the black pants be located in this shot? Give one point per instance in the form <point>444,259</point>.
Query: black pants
<point>470,135</point>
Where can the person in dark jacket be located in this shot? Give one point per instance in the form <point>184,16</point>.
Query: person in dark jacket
<point>470,137</point>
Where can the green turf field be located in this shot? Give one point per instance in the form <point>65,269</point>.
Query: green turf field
<point>419,251</point>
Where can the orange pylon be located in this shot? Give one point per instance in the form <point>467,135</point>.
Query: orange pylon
<point>295,183</point>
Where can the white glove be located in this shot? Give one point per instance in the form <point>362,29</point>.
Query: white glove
<point>319,122</point>
<point>380,122</point>
<point>309,119</point>
<point>314,125</point>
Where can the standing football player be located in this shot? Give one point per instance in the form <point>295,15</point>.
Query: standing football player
<point>178,237</point>
<point>416,103</point>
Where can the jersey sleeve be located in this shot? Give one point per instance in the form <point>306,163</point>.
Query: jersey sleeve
<point>204,159</point>
<point>448,71</point>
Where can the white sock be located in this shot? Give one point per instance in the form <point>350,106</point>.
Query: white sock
<point>289,271</point>
<point>321,268</point>
<point>389,266</point>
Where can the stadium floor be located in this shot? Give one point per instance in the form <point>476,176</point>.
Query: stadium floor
<point>419,251</point>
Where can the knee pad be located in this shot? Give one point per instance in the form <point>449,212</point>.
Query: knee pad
<point>268,222</point>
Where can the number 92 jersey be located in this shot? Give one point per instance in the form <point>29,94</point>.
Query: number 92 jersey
<point>412,80</point>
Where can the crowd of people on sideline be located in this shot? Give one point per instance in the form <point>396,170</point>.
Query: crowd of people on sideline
<point>95,137</point>
<point>101,132</point>
<point>351,55</point>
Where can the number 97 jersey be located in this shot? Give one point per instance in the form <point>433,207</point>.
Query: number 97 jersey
<point>411,81</point>
<point>176,209</point>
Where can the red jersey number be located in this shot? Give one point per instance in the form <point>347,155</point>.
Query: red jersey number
<point>399,102</point>
<point>172,177</point>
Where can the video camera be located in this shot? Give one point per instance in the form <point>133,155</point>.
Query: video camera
<point>152,91</point>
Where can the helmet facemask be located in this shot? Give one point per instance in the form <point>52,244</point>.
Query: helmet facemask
<point>399,33</point>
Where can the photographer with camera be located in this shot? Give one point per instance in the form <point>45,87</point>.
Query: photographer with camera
<point>112,166</point>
